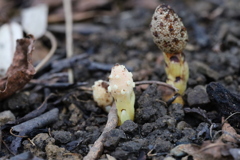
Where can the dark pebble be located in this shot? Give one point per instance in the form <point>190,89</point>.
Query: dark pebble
<point>162,145</point>
<point>131,146</point>
<point>147,128</point>
<point>62,136</point>
<point>112,138</point>
<point>176,110</point>
<point>129,127</point>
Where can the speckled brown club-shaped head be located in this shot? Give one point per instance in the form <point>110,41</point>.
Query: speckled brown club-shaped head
<point>167,30</point>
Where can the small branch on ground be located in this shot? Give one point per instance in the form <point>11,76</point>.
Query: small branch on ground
<point>53,40</point>
<point>97,148</point>
<point>157,82</point>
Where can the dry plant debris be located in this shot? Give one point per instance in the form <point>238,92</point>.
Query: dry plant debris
<point>21,70</point>
<point>229,134</point>
<point>227,103</point>
<point>220,149</point>
<point>97,148</point>
<point>208,151</point>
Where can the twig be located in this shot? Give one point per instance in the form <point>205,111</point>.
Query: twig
<point>51,52</point>
<point>31,142</point>
<point>157,82</point>
<point>211,131</point>
<point>68,22</point>
<point>97,148</point>
<point>9,150</point>
<point>11,132</point>
<point>25,127</point>
<point>230,117</point>
<point>61,85</point>
<point>38,122</point>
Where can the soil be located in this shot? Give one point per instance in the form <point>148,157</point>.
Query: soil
<point>123,36</point>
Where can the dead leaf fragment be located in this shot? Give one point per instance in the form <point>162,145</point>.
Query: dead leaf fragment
<point>218,149</point>
<point>207,151</point>
<point>229,133</point>
<point>21,70</point>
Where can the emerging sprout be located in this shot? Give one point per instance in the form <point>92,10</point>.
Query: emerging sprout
<point>121,87</point>
<point>170,35</point>
<point>101,96</point>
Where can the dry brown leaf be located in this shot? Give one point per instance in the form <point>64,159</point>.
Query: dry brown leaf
<point>229,133</point>
<point>208,151</point>
<point>21,70</point>
<point>218,149</point>
<point>192,150</point>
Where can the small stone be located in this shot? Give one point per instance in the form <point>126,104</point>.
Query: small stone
<point>147,128</point>
<point>176,151</point>
<point>113,137</point>
<point>18,101</point>
<point>189,134</point>
<point>176,110</point>
<point>171,122</point>
<point>162,145</point>
<point>120,154</point>
<point>182,124</point>
<point>161,122</point>
<point>197,96</point>
<point>54,152</point>
<point>62,136</point>
<point>145,114</point>
<point>228,79</point>
<point>42,139</point>
<point>91,128</point>
<point>169,158</point>
<point>76,114</point>
<point>206,70</point>
<point>131,146</point>
<point>6,116</point>
<point>165,121</point>
<point>129,127</point>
